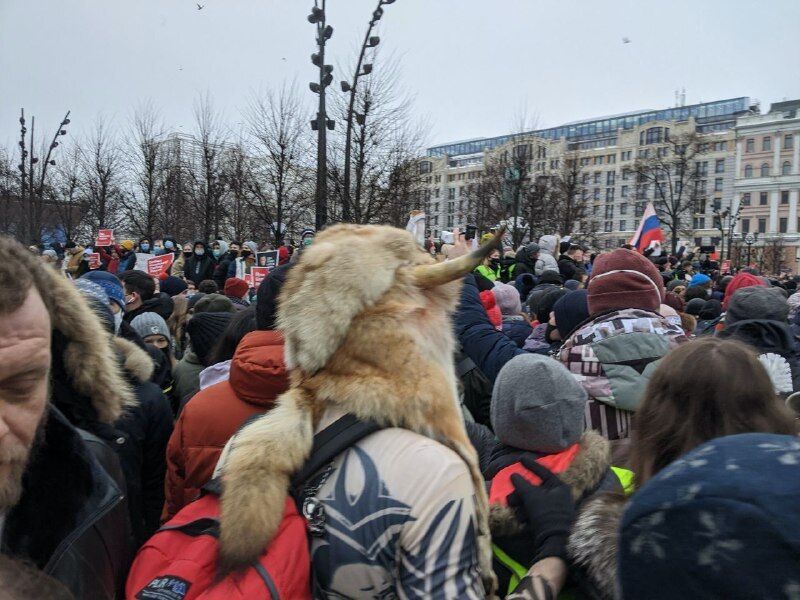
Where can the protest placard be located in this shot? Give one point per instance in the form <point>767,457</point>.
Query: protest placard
<point>259,273</point>
<point>105,237</point>
<point>94,261</point>
<point>267,259</point>
<point>248,277</point>
<point>156,265</point>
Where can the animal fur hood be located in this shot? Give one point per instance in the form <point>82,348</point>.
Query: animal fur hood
<point>136,362</point>
<point>592,545</point>
<point>366,316</point>
<point>86,350</point>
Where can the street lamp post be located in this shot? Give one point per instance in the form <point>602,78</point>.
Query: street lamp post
<point>749,239</point>
<point>370,41</point>
<point>321,124</point>
<point>35,193</point>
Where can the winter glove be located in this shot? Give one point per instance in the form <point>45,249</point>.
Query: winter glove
<point>548,509</point>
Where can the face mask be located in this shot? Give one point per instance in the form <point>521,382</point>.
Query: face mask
<point>308,241</point>
<point>158,251</point>
<point>145,247</point>
<point>495,262</point>
<point>117,322</point>
<point>199,251</point>
<point>130,299</point>
<point>187,254</point>
<point>245,253</point>
<point>216,253</point>
<point>169,245</point>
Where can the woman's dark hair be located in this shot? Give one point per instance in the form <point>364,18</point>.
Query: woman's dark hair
<point>242,323</point>
<point>208,286</point>
<point>703,390</point>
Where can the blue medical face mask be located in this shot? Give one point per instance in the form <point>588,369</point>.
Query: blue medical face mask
<point>169,245</point>
<point>145,247</point>
<point>158,251</point>
<point>216,252</point>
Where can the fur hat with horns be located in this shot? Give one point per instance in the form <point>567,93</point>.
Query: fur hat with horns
<point>366,318</point>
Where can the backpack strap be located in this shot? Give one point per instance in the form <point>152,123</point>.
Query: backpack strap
<point>331,442</point>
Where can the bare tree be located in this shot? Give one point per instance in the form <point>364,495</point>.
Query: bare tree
<point>673,170</point>
<point>68,194</point>
<point>147,173</point>
<point>281,178</point>
<point>241,221</point>
<point>385,137</point>
<point>10,206</point>
<point>772,257</point>
<point>101,163</point>
<point>205,169</point>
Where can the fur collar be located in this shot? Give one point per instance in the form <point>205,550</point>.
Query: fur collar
<point>583,476</point>
<point>135,361</point>
<point>88,355</point>
<point>361,337</point>
<point>592,544</point>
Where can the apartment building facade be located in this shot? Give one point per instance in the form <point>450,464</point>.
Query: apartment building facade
<point>606,149</point>
<point>767,183</point>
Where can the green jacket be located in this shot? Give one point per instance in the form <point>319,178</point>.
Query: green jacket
<point>490,274</point>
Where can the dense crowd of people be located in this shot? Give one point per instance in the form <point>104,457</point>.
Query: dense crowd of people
<point>380,420</point>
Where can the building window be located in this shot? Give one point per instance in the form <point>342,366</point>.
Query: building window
<point>451,193</point>
<point>701,206</point>
<point>622,225</point>
<point>762,225</point>
<point>786,168</point>
<point>611,159</point>
<point>783,225</point>
<point>425,167</point>
<point>762,199</point>
<point>450,206</point>
<point>699,223</point>
<point>436,207</point>
<point>784,197</point>
<point>718,184</point>
<point>451,178</point>
<point>596,194</point>
<point>719,165</point>
<point>607,227</point>
<point>597,177</point>
<point>610,176</point>
<point>746,199</point>
<point>702,169</point>
<point>623,208</point>
<point>449,220</point>
<point>766,144</point>
<point>585,161</point>
<point>751,145</point>
<point>764,170</point>
<point>609,211</point>
<point>638,209</point>
<point>748,171</point>
<point>609,194</point>
<point>745,225</point>
<point>624,191</point>
<point>788,142</point>
<point>626,174</point>
<point>698,241</point>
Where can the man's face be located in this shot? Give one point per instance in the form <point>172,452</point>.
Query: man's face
<point>157,341</point>
<point>577,255</point>
<point>132,300</point>
<point>24,370</point>
<point>234,248</point>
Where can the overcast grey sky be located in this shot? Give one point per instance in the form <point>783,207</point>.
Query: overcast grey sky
<point>471,64</point>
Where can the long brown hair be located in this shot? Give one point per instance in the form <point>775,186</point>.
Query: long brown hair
<point>702,390</point>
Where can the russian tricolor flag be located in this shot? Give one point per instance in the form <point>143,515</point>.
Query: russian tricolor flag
<point>649,230</point>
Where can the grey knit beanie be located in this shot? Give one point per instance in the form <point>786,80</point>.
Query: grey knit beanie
<point>756,302</point>
<point>507,298</point>
<point>537,405</point>
<point>150,323</point>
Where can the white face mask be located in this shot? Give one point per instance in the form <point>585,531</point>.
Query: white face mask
<point>117,322</point>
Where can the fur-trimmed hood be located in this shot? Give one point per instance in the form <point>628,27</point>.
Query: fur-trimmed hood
<point>584,475</point>
<point>592,544</point>
<point>136,362</point>
<point>366,316</point>
<point>86,351</point>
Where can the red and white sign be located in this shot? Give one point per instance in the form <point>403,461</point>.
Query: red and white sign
<point>248,277</point>
<point>725,267</point>
<point>94,261</point>
<point>259,274</point>
<point>105,237</point>
<point>159,264</point>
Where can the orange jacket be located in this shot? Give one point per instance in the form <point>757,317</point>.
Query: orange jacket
<point>257,376</point>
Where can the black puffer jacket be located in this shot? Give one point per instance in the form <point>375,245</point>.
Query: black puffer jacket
<point>147,429</point>
<point>72,519</point>
<point>199,268</point>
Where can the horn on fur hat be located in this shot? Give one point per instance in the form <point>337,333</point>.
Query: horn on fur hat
<point>429,276</point>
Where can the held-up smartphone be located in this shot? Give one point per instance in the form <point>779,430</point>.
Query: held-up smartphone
<point>471,231</point>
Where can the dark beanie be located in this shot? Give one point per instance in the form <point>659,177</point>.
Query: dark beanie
<point>194,299</point>
<point>551,277</point>
<point>545,305</point>
<point>757,302</point>
<point>172,286</point>
<point>267,297</point>
<point>214,303</point>
<point>204,330</point>
<point>571,310</point>
<point>624,279</point>
<point>694,306</point>
<point>711,310</point>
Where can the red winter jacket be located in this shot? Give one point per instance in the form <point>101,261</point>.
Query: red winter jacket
<point>112,264</point>
<point>257,376</point>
